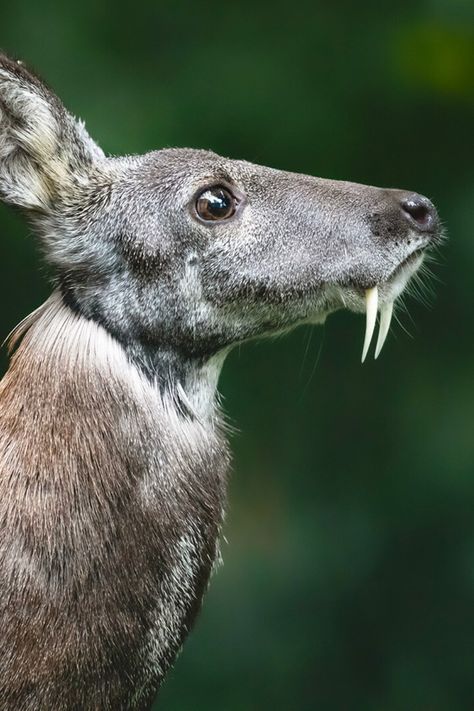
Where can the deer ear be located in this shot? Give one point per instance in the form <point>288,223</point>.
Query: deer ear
<point>44,151</point>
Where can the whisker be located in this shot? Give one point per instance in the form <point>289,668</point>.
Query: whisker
<point>400,305</point>
<point>306,350</point>
<point>313,370</point>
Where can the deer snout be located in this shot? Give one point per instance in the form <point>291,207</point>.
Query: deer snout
<point>419,212</point>
<point>400,215</point>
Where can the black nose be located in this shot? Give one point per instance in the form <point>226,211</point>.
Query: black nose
<point>420,212</point>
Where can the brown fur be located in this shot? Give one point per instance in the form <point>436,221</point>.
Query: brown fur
<point>82,530</point>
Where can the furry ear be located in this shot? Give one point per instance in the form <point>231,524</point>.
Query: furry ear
<point>44,151</point>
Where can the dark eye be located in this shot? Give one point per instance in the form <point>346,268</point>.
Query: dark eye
<point>215,204</point>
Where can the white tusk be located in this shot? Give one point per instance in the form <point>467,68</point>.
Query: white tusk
<point>385,317</point>
<point>371,306</point>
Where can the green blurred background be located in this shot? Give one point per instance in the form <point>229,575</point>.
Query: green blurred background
<point>349,563</point>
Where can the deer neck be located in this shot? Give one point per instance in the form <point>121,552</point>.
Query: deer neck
<point>112,490</point>
<point>81,401</point>
<point>59,339</point>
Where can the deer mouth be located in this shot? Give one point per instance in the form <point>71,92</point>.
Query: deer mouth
<point>385,309</point>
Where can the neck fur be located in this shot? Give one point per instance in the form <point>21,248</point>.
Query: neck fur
<point>104,470</point>
<point>57,336</point>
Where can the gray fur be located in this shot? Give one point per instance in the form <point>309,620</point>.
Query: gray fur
<point>112,457</point>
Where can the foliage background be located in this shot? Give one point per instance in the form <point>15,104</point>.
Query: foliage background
<point>349,569</point>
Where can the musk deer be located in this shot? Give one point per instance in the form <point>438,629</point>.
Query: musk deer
<point>113,459</point>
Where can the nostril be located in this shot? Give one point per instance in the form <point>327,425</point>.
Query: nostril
<point>420,212</point>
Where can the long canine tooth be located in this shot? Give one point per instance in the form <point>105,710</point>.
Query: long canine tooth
<point>385,317</point>
<point>371,306</point>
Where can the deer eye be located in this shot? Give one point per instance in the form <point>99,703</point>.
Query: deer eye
<point>215,204</point>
